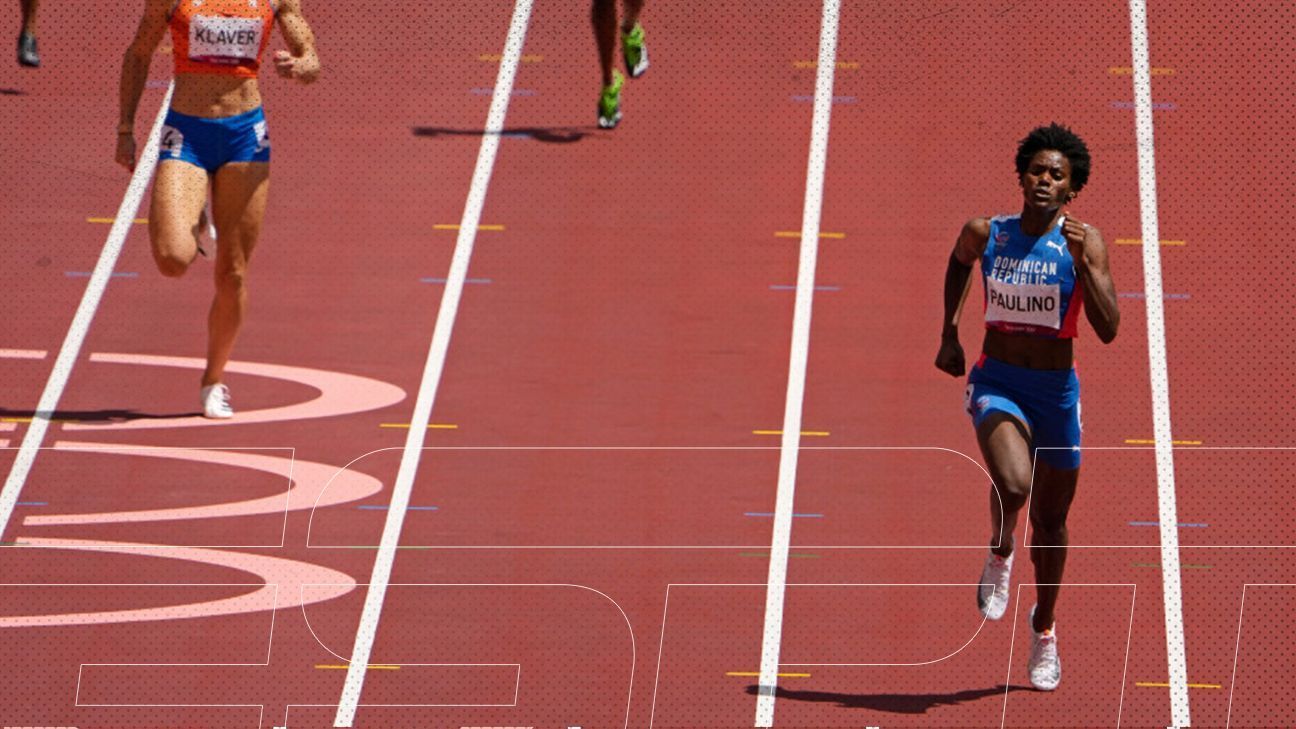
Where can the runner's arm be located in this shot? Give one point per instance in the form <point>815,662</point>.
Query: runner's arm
<point>1101,308</point>
<point>958,277</point>
<point>301,63</point>
<point>134,74</point>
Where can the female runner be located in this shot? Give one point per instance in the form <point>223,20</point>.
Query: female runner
<point>1039,269</point>
<point>214,135</point>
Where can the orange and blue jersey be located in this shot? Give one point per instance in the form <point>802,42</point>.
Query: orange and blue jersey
<point>1030,282</point>
<point>221,36</point>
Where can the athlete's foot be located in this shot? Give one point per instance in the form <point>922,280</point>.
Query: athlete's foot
<point>992,593</point>
<point>27,53</point>
<point>609,106</point>
<point>634,51</point>
<point>1044,667</point>
<point>215,402</point>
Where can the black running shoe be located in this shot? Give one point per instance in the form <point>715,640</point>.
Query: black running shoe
<point>27,53</point>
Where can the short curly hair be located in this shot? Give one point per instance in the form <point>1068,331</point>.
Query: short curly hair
<point>1055,136</point>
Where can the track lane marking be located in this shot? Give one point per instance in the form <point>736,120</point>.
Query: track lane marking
<point>797,234</point>
<point>136,221</point>
<point>434,366</point>
<point>84,316</point>
<point>1172,589</point>
<point>780,543</point>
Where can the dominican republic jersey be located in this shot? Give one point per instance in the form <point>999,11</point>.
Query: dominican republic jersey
<point>1030,283</point>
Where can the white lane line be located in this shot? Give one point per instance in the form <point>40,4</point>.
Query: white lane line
<point>776,583</point>
<point>81,321</point>
<point>433,368</point>
<point>1176,657</point>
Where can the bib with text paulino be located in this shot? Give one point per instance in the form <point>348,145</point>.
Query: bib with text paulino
<point>1034,304</point>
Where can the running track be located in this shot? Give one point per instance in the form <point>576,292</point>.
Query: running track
<point>588,545</point>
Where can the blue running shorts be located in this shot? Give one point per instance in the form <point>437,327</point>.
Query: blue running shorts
<point>212,142</point>
<point>1047,402</point>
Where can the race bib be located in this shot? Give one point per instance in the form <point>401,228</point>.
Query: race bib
<point>1034,304</point>
<point>214,39</point>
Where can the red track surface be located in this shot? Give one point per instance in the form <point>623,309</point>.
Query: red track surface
<point>630,304</point>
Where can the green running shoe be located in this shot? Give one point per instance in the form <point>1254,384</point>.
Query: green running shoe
<point>609,107</point>
<point>635,52</point>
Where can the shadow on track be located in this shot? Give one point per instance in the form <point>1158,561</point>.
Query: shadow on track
<point>96,416</point>
<point>892,703</point>
<point>552,135</point>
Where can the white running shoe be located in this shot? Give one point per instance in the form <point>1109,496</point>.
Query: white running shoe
<point>1045,668</point>
<point>215,402</point>
<point>992,593</point>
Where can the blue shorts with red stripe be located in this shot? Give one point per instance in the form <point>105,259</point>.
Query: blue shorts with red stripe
<point>1047,402</point>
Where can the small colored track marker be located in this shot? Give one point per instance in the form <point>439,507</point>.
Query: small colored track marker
<point>844,65</point>
<point>496,58</point>
<point>1139,242</point>
<point>23,354</point>
<point>797,234</point>
<point>431,426</point>
<point>818,433</point>
<point>792,287</point>
<point>1149,684</point>
<point>1182,566</point>
<point>467,280</point>
<point>757,674</point>
<point>137,221</point>
<point>1141,295</point>
<point>835,99</point>
<point>770,513</point>
<point>370,668</point>
<point>765,555</point>
<point>1128,71</point>
<point>86,274</point>
<point>1150,441</point>
<point>1182,525</point>
<point>385,507</point>
<point>483,91</point>
<point>455,226</point>
<point>1156,105</point>
<point>28,420</point>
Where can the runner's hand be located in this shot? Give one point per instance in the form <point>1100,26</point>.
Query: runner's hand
<point>1076,234</point>
<point>285,64</point>
<point>950,357</point>
<point>304,68</point>
<point>126,151</point>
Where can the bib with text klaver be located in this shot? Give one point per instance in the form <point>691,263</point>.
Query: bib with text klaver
<point>214,39</point>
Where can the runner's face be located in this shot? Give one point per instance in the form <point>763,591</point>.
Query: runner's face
<point>1046,183</point>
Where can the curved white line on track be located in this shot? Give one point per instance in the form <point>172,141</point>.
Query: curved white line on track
<point>634,653</point>
<point>340,393</point>
<point>313,485</point>
<point>274,571</point>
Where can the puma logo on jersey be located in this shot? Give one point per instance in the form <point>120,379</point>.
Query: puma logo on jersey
<point>1054,244</point>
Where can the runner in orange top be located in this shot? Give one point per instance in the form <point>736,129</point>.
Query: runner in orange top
<point>214,135</point>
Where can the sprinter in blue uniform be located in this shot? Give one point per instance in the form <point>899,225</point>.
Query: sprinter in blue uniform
<point>1039,268</point>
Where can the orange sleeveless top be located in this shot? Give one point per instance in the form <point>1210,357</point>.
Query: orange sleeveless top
<point>221,36</point>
